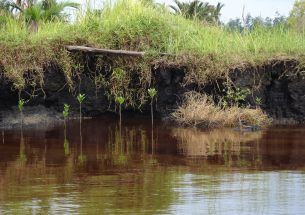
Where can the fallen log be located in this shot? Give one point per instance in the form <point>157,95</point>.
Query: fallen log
<point>98,51</point>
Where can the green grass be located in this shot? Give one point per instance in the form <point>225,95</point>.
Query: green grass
<point>137,27</point>
<point>130,25</point>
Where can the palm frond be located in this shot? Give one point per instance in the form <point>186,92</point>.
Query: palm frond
<point>175,9</point>
<point>9,6</point>
<point>197,9</point>
<point>33,13</point>
<point>55,10</point>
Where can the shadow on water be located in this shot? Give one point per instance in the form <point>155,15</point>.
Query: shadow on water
<point>98,166</point>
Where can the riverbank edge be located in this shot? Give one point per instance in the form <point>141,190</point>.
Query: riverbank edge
<point>279,84</point>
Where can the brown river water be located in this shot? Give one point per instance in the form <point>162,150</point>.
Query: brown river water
<point>105,169</point>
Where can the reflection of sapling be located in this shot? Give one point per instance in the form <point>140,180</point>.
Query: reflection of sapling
<point>66,142</point>
<point>120,100</point>
<point>66,146</point>
<point>82,159</point>
<point>121,160</point>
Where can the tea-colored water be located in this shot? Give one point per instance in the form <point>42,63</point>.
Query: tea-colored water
<point>107,170</point>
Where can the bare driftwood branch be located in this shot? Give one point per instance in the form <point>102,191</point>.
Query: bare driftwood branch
<point>98,51</point>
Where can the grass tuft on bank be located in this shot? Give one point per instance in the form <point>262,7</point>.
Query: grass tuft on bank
<point>200,111</point>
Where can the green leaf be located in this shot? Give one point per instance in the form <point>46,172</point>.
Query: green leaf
<point>81,97</point>
<point>152,92</point>
<point>118,74</point>
<point>21,103</point>
<point>66,110</point>
<point>258,101</point>
<point>119,99</point>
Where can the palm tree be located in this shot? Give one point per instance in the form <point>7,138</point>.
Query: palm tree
<point>46,10</point>
<point>216,12</point>
<point>35,11</point>
<point>7,7</point>
<point>198,10</point>
<point>189,10</point>
<point>32,16</point>
<point>4,7</point>
<point>14,8</point>
<point>52,10</point>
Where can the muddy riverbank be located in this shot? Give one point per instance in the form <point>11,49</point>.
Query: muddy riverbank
<point>277,84</point>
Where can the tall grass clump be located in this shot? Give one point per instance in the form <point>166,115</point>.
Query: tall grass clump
<point>200,110</point>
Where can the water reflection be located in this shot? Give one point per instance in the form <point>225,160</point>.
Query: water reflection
<point>100,167</point>
<point>81,157</point>
<point>66,144</point>
<point>2,132</point>
<point>221,146</point>
<point>22,155</point>
<point>194,142</point>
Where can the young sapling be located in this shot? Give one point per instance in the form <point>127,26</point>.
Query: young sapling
<point>152,92</point>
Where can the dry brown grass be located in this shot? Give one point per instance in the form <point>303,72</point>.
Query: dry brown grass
<point>200,110</point>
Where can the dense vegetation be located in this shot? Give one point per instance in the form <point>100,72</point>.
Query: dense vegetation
<point>35,36</point>
<point>138,26</point>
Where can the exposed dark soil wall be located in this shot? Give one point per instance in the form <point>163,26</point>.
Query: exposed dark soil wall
<point>281,89</point>
<point>279,85</point>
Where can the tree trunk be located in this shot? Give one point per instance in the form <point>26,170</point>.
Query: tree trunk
<point>33,27</point>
